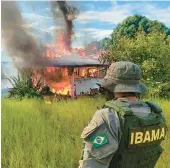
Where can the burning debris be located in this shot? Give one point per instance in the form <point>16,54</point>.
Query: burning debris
<point>58,79</point>
<point>72,81</point>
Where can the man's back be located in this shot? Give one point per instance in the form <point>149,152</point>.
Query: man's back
<point>104,133</point>
<point>126,132</point>
<point>142,132</point>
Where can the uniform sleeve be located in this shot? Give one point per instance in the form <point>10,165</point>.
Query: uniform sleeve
<point>101,140</point>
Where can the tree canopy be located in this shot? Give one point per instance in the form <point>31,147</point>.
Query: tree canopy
<point>133,24</point>
<point>146,43</point>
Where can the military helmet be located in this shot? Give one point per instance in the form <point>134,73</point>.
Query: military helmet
<point>123,77</point>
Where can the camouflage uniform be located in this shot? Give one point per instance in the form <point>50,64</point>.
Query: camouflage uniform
<point>103,134</point>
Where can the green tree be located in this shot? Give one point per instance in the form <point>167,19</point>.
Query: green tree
<point>152,53</point>
<point>134,24</point>
<point>146,43</point>
<point>105,43</point>
<point>25,84</point>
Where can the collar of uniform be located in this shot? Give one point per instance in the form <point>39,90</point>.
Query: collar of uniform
<point>137,102</point>
<point>124,99</point>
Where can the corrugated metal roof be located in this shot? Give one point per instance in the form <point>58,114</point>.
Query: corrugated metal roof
<point>72,61</point>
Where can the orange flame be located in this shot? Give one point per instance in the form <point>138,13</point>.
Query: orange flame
<point>53,51</point>
<point>58,79</point>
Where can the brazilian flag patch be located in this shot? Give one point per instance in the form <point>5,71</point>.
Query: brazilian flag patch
<point>99,140</point>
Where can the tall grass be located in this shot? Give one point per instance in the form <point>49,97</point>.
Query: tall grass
<point>39,135</point>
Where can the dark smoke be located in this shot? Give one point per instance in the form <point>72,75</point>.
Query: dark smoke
<point>18,42</point>
<point>69,13</point>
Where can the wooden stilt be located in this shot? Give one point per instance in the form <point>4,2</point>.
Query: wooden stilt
<point>72,85</point>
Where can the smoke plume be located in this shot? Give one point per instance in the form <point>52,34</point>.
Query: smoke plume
<point>70,13</point>
<point>19,44</point>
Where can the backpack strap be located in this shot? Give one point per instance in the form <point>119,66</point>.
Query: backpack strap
<point>121,107</point>
<point>154,107</point>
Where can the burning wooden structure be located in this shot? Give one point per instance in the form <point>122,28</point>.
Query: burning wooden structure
<point>73,75</point>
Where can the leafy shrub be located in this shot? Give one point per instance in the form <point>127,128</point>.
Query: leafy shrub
<point>25,85</point>
<point>164,90</point>
<point>159,90</point>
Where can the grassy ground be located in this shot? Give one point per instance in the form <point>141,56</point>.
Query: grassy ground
<point>39,135</point>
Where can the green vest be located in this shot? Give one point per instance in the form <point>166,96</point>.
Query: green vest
<point>141,136</point>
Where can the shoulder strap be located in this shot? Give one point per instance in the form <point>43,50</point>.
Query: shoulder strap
<point>122,107</point>
<point>154,107</point>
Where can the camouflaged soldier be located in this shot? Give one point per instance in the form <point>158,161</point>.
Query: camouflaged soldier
<point>127,132</point>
